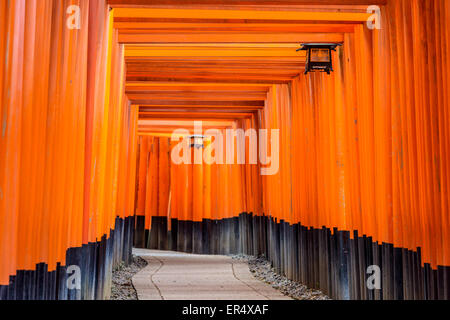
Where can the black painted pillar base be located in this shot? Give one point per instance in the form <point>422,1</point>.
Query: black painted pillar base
<point>91,263</point>
<point>333,261</point>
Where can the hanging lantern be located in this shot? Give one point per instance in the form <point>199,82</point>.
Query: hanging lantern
<point>318,56</point>
<point>197,141</point>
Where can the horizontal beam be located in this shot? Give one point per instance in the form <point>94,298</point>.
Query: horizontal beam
<point>170,131</point>
<point>196,96</point>
<point>215,45</point>
<point>164,103</point>
<point>175,91</point>
<point>173,128</point>
<point>219,60</point>
<point>230,37</point>
<point>254,78</point>
<point>161,134</point>
<point>325,3</point>
<point>169,134</point>
<point>217,63</point>
<point>213,67</point>
<point>185,27</point>
<point>144,51</point>
<point>247,15</point>
<point>273,80</point>
<point>194,109</point>
<point>194,115</point>
<point>180,123</point>
<point>210,71</point>
<point>136,87</point>
<point>190,84</point>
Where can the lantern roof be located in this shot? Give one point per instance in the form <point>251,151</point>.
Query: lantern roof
<point>306,46</point>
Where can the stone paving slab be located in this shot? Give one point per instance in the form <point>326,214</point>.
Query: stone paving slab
<point>181,276</point>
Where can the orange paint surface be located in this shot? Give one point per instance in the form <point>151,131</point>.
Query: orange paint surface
<point>86,118</point>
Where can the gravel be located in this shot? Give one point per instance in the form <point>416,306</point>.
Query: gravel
<point>122,287</point>
<point>262,270</point>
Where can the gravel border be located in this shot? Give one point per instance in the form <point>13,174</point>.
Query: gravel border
<point>122,287</point>
<point>262,270</point>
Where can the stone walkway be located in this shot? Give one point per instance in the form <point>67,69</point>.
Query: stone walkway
<point>181,276</point>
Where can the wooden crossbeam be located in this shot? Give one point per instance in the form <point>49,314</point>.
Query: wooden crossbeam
<point>136,27</point>
<point>247,15</point>
<point>190,51</point>
<point>187,37</point>
<point>135,87</point>
<point>194,115</point>
<point>196,96</point>
<point>258,3</point>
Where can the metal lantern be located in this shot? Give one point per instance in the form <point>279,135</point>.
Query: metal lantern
<point>318,56</point>
<point>197,141</point>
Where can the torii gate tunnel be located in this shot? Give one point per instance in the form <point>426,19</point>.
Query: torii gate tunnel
<point>191,126</point>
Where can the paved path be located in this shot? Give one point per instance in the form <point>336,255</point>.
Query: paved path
<point>181,276</point>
